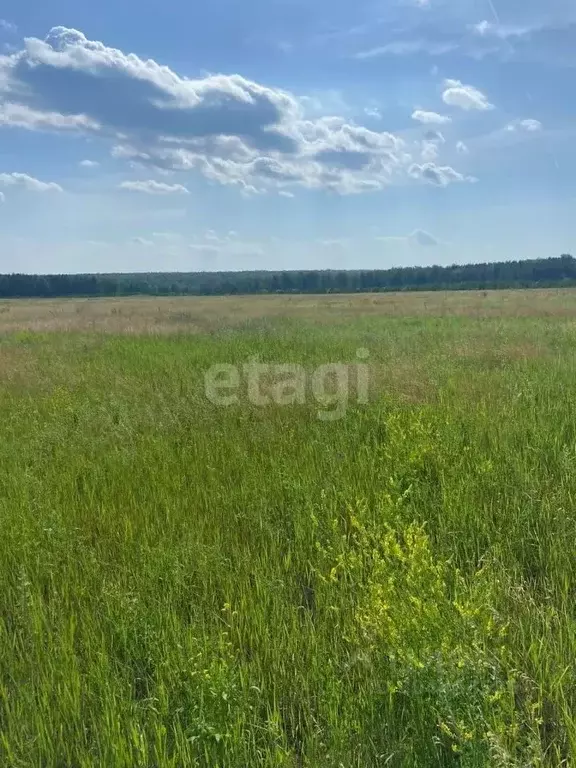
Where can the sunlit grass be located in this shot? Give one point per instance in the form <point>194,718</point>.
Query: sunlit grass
<point>188,585</point>
<point>200,314</point>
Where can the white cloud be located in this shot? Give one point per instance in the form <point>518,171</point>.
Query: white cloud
<point>440,176</point>
<point>462,148</point>
<point>28,182</point>
<point>430,147</point>
<point>537,31</point>
<point>524,126</point>
<point>424,239</point>
<point>483,28</point>
<point>409,48</point>
<point>530,125</point>
<point>430,118</point>
<point>489,29</point>
<point>21,116</point>
<point>7,26</point>
<point>136,97</point>
<point>466,97</point>
<point>141,241</point>
<point>429,151</point>
<point>152,187</point>
<point>89,164</point>
<point>229,129</point>
<point>2,197</point>
<point>373,112</point>
<point>285,193</point>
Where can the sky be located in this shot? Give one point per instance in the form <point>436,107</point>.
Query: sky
<point>284,134</point>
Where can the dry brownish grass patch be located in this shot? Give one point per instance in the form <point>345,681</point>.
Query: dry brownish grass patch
<point>406,381</point>
<point>491,353</point>
<point>18,365</point>
<point>137,315</point>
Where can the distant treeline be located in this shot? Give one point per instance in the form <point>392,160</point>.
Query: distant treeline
<point>538,273</point>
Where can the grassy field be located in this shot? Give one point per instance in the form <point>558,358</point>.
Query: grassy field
<point>201,314</point>
<point>187,584</point>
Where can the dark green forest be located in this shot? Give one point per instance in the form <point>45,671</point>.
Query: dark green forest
<point>539,273</point>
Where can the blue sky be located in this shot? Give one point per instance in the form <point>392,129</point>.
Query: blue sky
<point>283,134</point>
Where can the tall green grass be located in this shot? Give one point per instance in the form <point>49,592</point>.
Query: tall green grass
<point>188,585</point>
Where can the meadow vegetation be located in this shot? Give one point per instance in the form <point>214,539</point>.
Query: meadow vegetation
<point>183,584</point>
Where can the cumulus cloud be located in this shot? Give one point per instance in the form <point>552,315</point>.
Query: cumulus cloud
<point>125,93</point>
<point>462,148</point>
<point>89,164</point>
<point>152,187</point>
<point>230,129</point>
<point>334,155</point>
<point>78,78</point>
<point>440,176</point>
<point>28,182</point>
<point>467,97</point>
<point>430,118</point>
